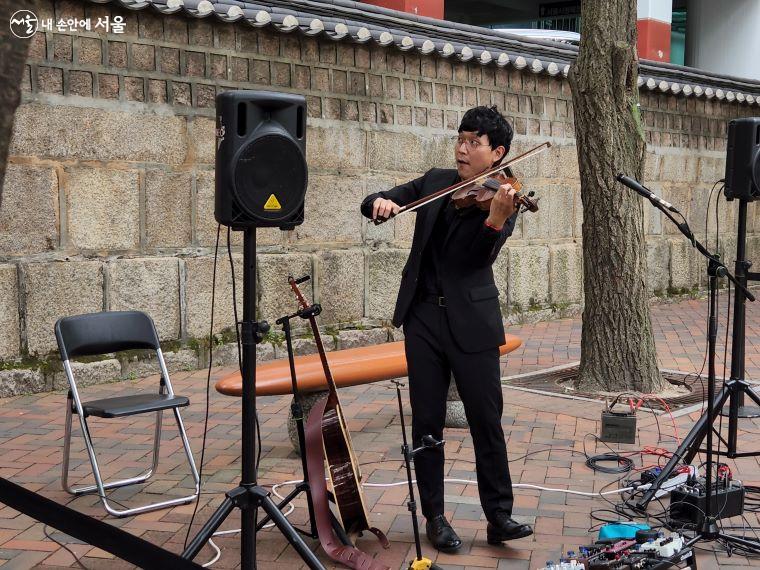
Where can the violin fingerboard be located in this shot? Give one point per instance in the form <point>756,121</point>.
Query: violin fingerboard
<point>491,184</point>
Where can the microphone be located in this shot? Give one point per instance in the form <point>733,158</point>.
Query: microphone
<point>644,191</point>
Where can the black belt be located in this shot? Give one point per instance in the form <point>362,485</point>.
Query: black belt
<point>435,299</point>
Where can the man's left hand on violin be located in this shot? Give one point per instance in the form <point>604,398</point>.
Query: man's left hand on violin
<point>503,205</point>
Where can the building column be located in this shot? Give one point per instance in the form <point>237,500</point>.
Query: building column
<point>430,8</point>
<point>654,18</point>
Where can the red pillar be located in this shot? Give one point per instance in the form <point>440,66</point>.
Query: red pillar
<point>430,8</point>
<point>653,25</point>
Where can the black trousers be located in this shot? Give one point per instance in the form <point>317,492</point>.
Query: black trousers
<point>432,355</point>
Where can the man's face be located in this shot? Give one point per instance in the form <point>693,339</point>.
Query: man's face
<point>474,154</point>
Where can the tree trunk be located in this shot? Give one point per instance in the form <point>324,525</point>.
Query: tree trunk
<point>617,345</point>
<point>13,52</point>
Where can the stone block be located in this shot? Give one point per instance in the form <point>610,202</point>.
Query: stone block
<point>332,210</point>
<point>198,284</point>
<point>45,131</point>
<point>711,169</point>
<point>384,278</point>
<point>658,265</point>
<point>554,218</point>
<point>577,213</point>
<point>203,139</point>
<point>682,265</point>
<point>560,161</point>
<point>405,229</point>
<point>357,338</point>
<point>108,86</point>
<point>168,208</point>
<point>206,224</point>
<point>103,208</point>
<point>89,374</point>
<point>341,285</point>
<point>566,273</point>
<point>652,220</point>
<point>384,232</point>
<point>335,148</point>
<point>303,346</point>
<point>29,210</point>
<point>80,83</point>
<point>150,285</point>
<point>9,324</point>
<point>679,168</point>
<point>146,364</point>
<point>90,51</point>
<point>50,80</point>
<point>408,152</point>
<point>58,289</point>
<point>276,298</point>
<point>528,276</point>
<point>531,168</point>
<point>652,167</point>
<point>19,381</point>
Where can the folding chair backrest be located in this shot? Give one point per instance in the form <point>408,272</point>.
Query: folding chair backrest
<point>103,333</point>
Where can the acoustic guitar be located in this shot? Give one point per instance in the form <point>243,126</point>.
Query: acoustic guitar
<point>342,466</point>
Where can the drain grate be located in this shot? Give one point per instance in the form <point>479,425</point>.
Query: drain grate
<point>561,382</point>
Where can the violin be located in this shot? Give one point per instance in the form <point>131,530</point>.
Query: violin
<point>480,190</point>
<point>479,195</point>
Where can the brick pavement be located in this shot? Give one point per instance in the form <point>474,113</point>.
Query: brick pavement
<point>31,435</point>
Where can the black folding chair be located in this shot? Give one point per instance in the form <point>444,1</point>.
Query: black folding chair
<point>104,333</point>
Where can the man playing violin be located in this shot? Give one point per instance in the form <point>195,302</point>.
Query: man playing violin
<point>449,308</point>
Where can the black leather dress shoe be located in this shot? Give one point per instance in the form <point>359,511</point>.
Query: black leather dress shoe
<point>441,535</point>
<point>506,528</point>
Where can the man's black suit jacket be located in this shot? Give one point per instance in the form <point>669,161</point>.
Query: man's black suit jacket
<point>471,247</point>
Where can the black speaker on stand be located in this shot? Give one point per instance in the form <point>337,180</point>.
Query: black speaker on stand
<point>261,179</point>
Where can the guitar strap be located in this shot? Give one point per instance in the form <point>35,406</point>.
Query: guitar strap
<point>315,462</point>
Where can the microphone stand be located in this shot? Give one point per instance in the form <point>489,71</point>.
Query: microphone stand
<point>715,268</point>
<point>420,562</point>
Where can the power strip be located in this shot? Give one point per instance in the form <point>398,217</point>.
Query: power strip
<point>668,485</point>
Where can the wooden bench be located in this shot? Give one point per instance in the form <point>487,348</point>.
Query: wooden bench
<point>349,367</point>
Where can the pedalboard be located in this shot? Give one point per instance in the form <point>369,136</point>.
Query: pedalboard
<point>656,552</point>
<point>689,502</point>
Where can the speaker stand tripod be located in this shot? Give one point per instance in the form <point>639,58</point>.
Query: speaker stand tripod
<point>736,387</point>
<point>249,496</point>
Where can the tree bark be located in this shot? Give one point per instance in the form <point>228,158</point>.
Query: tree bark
<point>13,53</point>
<point>617,345</point>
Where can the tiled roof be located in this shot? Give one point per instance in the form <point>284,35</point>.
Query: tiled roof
<point>344,20</point>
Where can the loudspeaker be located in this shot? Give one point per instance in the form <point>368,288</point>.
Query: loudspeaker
<point>743,159</point>
<point>261,172</point>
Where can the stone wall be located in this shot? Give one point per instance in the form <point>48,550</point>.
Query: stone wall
<point>108,200</point>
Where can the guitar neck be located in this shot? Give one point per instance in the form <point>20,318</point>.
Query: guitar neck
<point>323,357</point>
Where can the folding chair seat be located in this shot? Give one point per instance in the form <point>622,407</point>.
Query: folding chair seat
<point>105,333</point>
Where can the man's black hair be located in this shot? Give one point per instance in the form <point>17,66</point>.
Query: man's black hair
<point>488,121</point>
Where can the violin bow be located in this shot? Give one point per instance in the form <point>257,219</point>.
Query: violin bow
<point>446,191</point>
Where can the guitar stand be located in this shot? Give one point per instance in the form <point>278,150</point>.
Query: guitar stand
<point>296,409</point>
<point>428,442</point>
